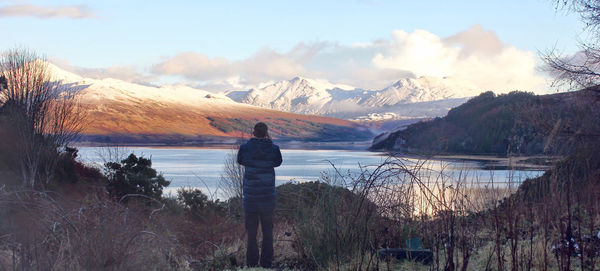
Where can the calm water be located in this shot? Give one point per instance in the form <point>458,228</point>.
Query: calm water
<point>202,167</point>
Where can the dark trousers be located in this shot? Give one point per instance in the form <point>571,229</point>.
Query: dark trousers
<point>266,224</point>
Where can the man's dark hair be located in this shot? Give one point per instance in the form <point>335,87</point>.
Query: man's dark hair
<point>261,130</point>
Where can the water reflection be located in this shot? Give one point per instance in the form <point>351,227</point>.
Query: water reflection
<point>203,167</point>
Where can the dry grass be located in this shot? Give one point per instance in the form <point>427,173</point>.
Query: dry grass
<point>340,226</point>
<point>44,233</point>
<point>88,231</point>
<point>468,225</point>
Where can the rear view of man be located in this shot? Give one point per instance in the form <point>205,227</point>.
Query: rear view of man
<point>259,156</point>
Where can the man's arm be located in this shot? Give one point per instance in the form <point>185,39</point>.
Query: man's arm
<point>278,160</point>
<point>240,156</point>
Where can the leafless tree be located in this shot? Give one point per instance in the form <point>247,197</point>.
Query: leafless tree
<point>583,68</point>
<point>112,153</point>
<point>232,180</point>
<point>45,113</point>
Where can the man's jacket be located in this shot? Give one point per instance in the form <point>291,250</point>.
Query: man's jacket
<point>259,156</point>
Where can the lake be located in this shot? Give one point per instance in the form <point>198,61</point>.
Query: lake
<point>202,167</point>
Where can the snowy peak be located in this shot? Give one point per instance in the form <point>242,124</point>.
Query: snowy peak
<point>309,96</point>
<point>299,95</point>
<point>422,89</point>
<point>320,83</point>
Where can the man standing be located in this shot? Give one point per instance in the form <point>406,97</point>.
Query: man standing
<point>259,156</point>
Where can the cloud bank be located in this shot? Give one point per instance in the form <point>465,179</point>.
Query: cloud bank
<point>73,11</point>
<point>220,73</point>
<point>476,56</point>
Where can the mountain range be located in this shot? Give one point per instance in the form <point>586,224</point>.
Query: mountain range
<point>421,97</point>
<point>300,108</point>
<point>119,111</point>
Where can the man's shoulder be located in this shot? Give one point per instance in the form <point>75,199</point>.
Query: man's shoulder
<point>275,148</point>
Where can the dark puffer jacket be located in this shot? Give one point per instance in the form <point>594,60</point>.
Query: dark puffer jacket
<point>259,156</point>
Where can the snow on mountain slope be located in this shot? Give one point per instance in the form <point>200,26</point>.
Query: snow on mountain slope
<point>94,90</point>
<point>299,95</point>
<point>306,96</point>
<point>177,113</point>
<point>422,89</point>
<point>407,98</point>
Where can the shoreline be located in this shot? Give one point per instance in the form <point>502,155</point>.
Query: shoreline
<point>283,144</point>
<point>490,162</point>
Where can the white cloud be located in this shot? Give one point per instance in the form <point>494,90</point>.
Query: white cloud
<point>477,40</point>
<point>263,66</point>
<point>476,56</point>
<point>73,11</point>
<point>420,52</point>
<point>196,66</point>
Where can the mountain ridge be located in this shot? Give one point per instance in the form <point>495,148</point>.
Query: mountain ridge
<point>119,109</point>
<point>309,96</point>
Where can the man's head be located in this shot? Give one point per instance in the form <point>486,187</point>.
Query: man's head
<point>261,130</point>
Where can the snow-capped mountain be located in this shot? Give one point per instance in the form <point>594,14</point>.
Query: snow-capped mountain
<point>94,90</point>
<point>434,96</point>
<point>298,95</point>
<point>422,89</point>
<point>176,113</point>
<point>300,107</point>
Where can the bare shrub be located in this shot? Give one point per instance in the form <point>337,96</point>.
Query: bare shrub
<point>112,153</point>
<point>231,182</point>
<point>99,234</point>
<point>469,225</point>
<point>581,69</point>
<point>44,113</point>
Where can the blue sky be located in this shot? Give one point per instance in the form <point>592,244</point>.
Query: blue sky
<point>224,44</point>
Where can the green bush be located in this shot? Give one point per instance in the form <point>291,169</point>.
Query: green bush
<point>197,203</point>
<point>134,175</point>
<point>69,169</point>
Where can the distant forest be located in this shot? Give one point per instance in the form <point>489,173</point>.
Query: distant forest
<point>518,123</point>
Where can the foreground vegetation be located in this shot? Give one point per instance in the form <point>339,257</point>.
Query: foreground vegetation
<point>82,220</point>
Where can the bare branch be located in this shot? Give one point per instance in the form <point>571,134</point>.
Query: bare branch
<point>44,113</point>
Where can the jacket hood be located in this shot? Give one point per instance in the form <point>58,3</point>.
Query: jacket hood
<point>260,145</point>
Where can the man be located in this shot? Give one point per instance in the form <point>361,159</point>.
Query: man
<point>259,156</point>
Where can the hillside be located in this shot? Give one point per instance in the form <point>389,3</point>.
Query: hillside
<point>119,111</point>
<point>406,98</point>
<point>514,123</point>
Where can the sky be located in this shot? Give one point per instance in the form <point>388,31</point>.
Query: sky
<point>222,45</point>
